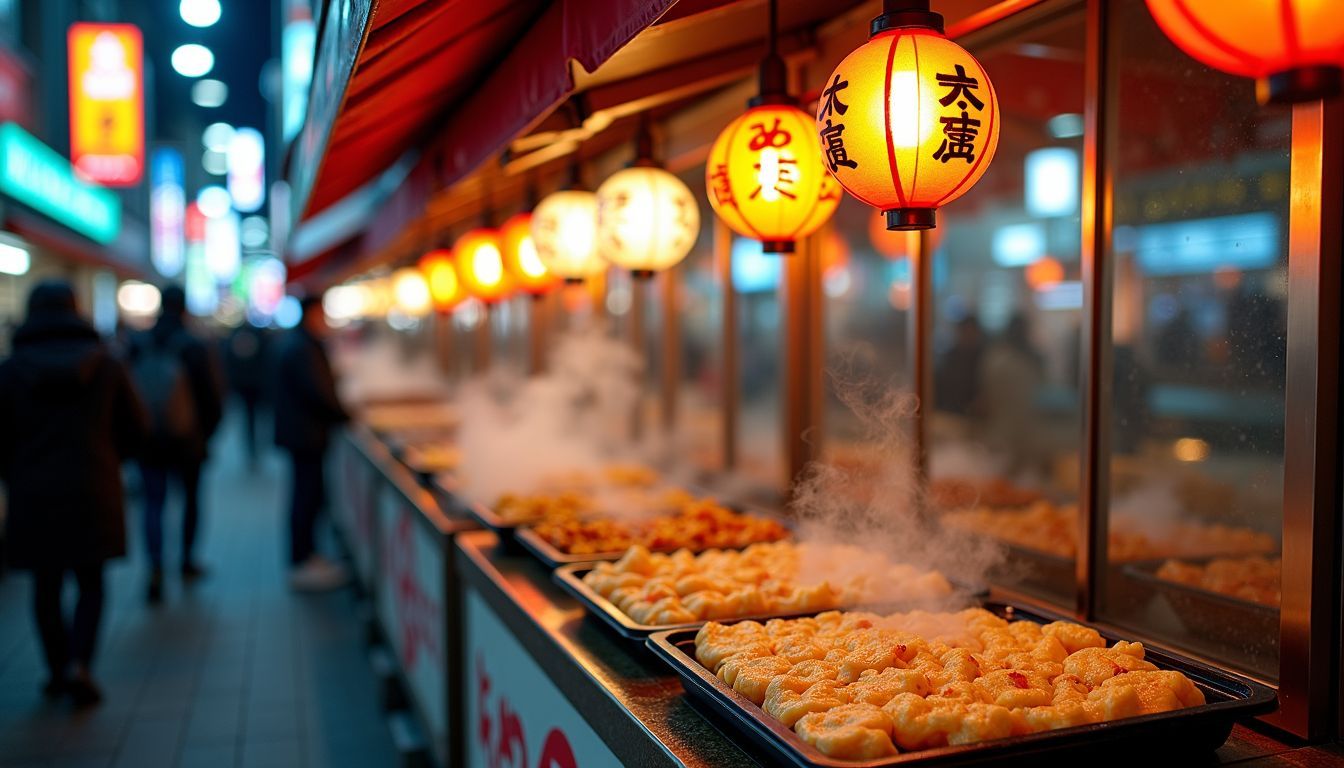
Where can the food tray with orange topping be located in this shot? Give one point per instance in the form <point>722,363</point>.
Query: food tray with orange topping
<point>1189,732</point>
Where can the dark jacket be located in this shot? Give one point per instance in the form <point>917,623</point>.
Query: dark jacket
<point>247,360</point>
<point>69,416</point>
<point>206,384</point>
<point>306,405</point>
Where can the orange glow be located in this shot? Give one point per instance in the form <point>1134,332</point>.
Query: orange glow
<point>890,244</point>
<point>564,230</point>
<point>445,289</point>
<point>1257,38</point>
<point>479,256</point>
<point>889,138</point>
<point>520,256</point>
<point>766,179</point>
<point>647,219</point>
<point>1043,273</point>
<point>107,102</point>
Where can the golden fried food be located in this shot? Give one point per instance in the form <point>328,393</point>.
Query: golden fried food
<point>525,508</point>
<point>1255,579</point>
<point>921,680</point>
<point>952,493</point>
<point>695,524</point>
<point>432,456</point>
<point>1050,528</point>
<point>779,577</point>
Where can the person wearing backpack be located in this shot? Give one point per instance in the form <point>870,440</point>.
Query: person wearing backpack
<point>69,417</point>
<point>177,376</point>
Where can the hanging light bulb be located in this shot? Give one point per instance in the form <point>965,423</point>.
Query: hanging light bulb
<point>1293,48</point>
<point>564,232</point>
<point>409,292</point>
<point>909,120</point>
<point>479,257</point>
<point>765,175</point>
<point>445,289</point>
<point>647,219</point>
<point>520,256</point>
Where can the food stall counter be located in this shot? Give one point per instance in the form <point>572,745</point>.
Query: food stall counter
<point>544,681</point>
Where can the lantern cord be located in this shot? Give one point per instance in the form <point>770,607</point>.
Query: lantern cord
<point>644,143</point>
<point>575,172</point>
<point>774,77</point>
<point>487,207</point>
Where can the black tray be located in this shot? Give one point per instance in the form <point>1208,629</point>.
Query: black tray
<point>570,578</point>
<point>551,556</point>
<point>1193,730</point>
<point>1207,614</point>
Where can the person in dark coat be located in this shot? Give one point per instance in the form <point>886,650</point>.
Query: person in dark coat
<point>306,410</point>
<point>165,352</point>
<point>69,417</point>
<point>247,361</point>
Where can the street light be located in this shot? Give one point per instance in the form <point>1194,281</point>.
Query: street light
<point>199,13</point>
<point>193,60</point>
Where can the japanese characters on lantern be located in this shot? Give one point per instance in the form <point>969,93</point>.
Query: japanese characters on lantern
<point>520,256</point>
<point>1293,48</point>
<point>647,219</point>
<point>480,265</point>
<point>908,122</point>
<point>766,179</point>
<point>564,232</point>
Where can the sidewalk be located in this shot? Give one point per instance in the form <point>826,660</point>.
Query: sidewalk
<point>235,672</point>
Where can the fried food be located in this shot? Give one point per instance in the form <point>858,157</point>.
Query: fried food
<point>953,493</point>
<point>1051,528</point>
<point>920,680</point>
<point>1255,579</point>
<point>693,524</point>
<point>779,577</point>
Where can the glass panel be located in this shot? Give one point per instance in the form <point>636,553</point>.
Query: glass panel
<point>867,294</point>
<point>700,312</point>
<point>1200,257</point>
<point>758,280</point>
<point>1005,429</point>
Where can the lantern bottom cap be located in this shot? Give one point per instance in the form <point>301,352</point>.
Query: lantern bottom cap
<point>903,219</point>
<point>573,281</point>
<point>642,274</point>
<point>1300,84</point>
<point>778,246</point>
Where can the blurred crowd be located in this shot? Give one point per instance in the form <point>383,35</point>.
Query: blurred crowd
<point>78,412</point>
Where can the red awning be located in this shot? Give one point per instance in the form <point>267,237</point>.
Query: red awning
<point>478,71</point>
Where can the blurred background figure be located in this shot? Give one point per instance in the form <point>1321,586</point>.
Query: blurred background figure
<point>69,416</point>
<point>306,408</point>
<point>179,380</point>
<point>957,376</point>
<point>1010,376</point>
<point>247,362</point>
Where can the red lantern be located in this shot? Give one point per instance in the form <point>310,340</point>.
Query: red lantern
<point>1293,48</point>
<point>479,255</point>
<point>445,289</point>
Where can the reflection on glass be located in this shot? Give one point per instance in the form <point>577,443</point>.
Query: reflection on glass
<point>1004,426</point>
<point>758,281</point>
<point>1200,256</point>
<point>700,313</point>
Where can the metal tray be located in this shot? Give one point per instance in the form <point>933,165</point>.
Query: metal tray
<point>1191,731</point>
<point>1207,614</point>
<point>551,556</point>
<point>570,578</point>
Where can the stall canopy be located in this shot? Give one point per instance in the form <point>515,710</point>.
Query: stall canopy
<point>482,69</point>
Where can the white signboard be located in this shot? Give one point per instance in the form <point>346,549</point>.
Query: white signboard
<point>516,717</point>
<point>410,608</point>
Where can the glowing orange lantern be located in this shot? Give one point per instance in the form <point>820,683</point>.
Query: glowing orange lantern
<point>1043,273</point>
<point>1293,48</point>
<point>520,256</point>
<point>479,255</point>
<point>445,289</point>
<point>909,120</point>
<point>766,179</point>
<point>564,231</point>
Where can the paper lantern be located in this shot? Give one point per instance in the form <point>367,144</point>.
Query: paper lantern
<point>647,219</point>
<point>1293,48</point>
<point>564,232</point>
<point>479,256</point>
<point>520,256</point>
<point>445,289</point>
<point>909,121</point>
<point>409,292</point>
<point>766,179</point>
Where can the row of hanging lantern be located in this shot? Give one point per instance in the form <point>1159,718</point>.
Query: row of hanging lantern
<point>906,123</point>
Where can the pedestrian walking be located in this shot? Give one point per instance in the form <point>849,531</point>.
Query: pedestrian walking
<point>69,417</point>
<point>247,360</point>
<point>306,409</point>
<point>179,380</point>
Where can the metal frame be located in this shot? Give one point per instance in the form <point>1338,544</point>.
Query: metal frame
<point>732,375</point>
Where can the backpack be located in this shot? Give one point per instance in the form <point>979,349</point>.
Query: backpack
<point>161,378</point>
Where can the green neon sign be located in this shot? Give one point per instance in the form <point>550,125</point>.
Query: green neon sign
<point>37,176</point>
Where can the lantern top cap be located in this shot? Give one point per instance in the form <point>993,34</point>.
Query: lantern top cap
<point>906,14</point>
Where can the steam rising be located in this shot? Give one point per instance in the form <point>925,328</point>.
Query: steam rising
<point>876,504</point>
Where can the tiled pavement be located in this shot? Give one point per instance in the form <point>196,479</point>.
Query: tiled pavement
<point>234,672</point>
